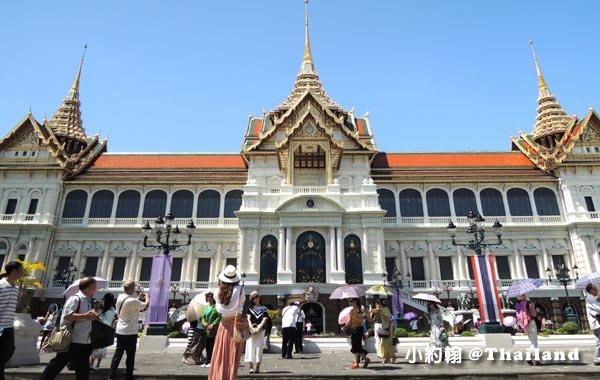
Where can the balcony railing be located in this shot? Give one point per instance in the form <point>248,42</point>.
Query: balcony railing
<point>463,285</point>
<point>137,222</point>
<point>310,189</point>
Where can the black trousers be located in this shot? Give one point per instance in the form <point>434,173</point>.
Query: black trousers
<point>78,355</point>
<point>125,344</point>
<point>289,337</point>
<point>7,348</point>
<point>210,345</point>
<point>298,342</point>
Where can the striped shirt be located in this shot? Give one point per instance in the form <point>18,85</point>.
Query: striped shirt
<point>8,303</point>
<point>78,304</point>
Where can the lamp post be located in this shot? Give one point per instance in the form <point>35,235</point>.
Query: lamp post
<point>160,281</point>
<point>447,288</point>
<point>476,242</point>
<point>472,291</point>
<point>396,283</point>
<point>436,291</point>
<point>185,292</point>
<point>563,277</point>
<point>174,288</point>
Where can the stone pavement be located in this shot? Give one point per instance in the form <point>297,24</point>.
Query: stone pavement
<point>337,365</point>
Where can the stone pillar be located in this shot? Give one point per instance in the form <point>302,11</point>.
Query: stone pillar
<point>281,250</point>
<point>433,273</point>
<point>536,217</point>
<point>218,261</point>
<point>460,258</point>
<point>332,250</point>
<point>365,250</point>
<point>104,265</point>
<point>255,251</point>
<point>340,251</point>
<point>132,262</point>
<point>583,314</point>
<point>189,265</point>
<point>506,207</point>
<point>557,321</point>
<point>243,253</point>
<point>288,249</point>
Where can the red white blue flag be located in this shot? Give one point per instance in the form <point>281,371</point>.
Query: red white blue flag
<point>484,269</point>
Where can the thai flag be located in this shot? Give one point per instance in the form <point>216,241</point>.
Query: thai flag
<point>484,269</point>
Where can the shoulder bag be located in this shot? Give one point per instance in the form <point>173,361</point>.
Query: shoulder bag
<point>60,338</point>
<point>241,329</point>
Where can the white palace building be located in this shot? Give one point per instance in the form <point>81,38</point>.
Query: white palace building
<point>309,203</point>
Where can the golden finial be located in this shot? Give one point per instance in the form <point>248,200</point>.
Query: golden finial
<point>544,90</point>
<point>307,61</point>
<point>75,87</point>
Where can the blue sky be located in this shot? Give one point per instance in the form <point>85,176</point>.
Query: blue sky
<point>184,75</point>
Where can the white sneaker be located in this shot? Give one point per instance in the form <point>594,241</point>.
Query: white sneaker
<point>208,365</point>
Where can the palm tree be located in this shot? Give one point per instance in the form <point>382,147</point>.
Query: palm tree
<point>28,284</point>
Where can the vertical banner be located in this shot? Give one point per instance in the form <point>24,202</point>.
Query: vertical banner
<point>484,269</point>
<point>160,283</point>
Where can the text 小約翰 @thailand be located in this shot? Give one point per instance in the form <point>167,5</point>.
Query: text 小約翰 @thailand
<point>454,355</point>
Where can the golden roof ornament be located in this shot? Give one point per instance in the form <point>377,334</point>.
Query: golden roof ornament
<point>551,120</point>
<point>66,122</point>
<point>307,79</point>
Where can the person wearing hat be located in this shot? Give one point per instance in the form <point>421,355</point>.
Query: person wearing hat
<point>230,300</point>
<point>257,319</point>
<point>9,293</point>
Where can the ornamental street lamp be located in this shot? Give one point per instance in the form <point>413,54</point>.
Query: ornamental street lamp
<point>436,291</point>
<point>174,288</point>
<point>447,288</point>
<point>396,283</point>
<point>160,281</point>
<point>563,277</point>
<point>185,292</point>
<point>477,243</point>
<point>472,291</point>
<point>65,276</point>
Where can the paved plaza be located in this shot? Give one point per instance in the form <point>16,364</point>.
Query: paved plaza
<point>329,365</point>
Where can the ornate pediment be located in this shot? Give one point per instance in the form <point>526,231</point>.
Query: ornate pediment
<point>306,203</point>
<point>64,247</point>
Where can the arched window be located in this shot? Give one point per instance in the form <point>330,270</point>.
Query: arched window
<point>155,204</point>
<point>209,202</point>
<point>233,202</point>
<point>387,202</point>
<point>353,260</point>
<point>128,205</point>
<point>437,203</point>
<point>182,204</point>
<point>464,201</point>
<point>268,260</point>
<point>102,204</point>
<point>75,204</point>
<point>411,203</point>
<point>545,201</point>
<point>518,202</point>
<point>492,203</point>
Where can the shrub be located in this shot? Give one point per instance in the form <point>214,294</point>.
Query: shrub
<point>570,328</point>
<point>546,332</point>
<point>412,334</point>
<point>176,334</point>
<point>400,332</point>
<point>467,333</point>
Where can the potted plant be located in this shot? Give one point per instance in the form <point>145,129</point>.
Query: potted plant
<point>26,329</point>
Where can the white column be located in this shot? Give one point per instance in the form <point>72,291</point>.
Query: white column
<point>340,251</point>
<point>104,263</point>
<point>218,262</point>
<point>460,262</point>
<point>288,249</point>
<point>332,250</point>
<point>365,250</point>
<point>536,217</point>
<point>242,254</point>
<point>189,264</point>
<point>519,261</point>
<point>281,250</point>
<point>506,207</point>
<point>132,263</point>
<point>433,272</point>
<point>254,262</point>
<point>404,260</point>
<point>77,258</point>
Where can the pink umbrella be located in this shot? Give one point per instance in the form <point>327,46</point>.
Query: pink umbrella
<point>74,288</point>
<point>344,316</point>
<point>347,291</point>
<point>509,321</point>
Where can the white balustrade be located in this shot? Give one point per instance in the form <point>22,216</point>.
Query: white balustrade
<point>412,220</point>
<point>310,189</point>
<point>389,220</point>
<point>102,221</point>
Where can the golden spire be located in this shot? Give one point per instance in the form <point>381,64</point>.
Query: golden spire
<point>307,61</point>
<point>74,93</point>
<point>544,90</point>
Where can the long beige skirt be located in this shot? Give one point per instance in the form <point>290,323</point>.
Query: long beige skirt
<point>226,353</point>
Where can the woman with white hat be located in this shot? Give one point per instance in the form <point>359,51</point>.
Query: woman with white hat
<point>257,319</point>
<point>230,299</point>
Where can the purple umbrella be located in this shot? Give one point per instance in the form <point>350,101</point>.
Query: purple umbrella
<point>347,291</point>
<point>410,315</point>
<point>524,286</point>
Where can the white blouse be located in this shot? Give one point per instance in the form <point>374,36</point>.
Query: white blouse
<point>236,304</point>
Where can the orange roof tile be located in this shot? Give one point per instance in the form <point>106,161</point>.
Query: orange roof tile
<point>170,161</point>
<point>444,160</point>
